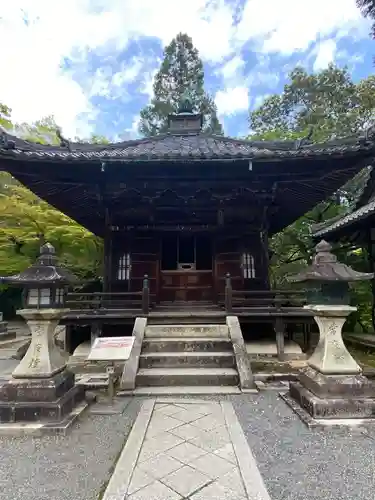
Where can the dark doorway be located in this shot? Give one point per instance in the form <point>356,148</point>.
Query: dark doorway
<point>186,267</point>
<point>186,251</point>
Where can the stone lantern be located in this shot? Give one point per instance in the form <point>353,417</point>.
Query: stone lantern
<point>332,385</point>
<point>44,283</point>
<point>41,388</point>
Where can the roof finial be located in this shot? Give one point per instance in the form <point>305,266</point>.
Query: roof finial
<point>47,249</point>
<point>370,132</point>
<point>64,143</point>
<point>5,142</point>
<point>305,140</point>
<point>186,103</point>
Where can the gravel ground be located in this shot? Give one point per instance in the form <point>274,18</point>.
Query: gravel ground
<point>7,365</point>
<point>298,463</point>
<point>295,462</point>
<point>74,467</point>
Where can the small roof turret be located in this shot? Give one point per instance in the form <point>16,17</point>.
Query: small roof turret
<point>45,271</point>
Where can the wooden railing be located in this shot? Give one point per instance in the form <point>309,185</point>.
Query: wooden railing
<point>112,300</point>
<point>261,299</point>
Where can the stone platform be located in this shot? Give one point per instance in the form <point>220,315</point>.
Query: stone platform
<point>180,449</point>
<point>40,404</point>
<point>268,349</point>
<point>6,334</point>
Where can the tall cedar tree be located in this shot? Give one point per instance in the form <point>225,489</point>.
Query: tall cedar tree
<point>367,8</point>
<point>181,71</point>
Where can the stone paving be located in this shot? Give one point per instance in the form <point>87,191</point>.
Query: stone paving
<point>294,461</point>
<point>189,452</point>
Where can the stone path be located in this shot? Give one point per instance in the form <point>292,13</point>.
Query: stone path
<point>186,450</point>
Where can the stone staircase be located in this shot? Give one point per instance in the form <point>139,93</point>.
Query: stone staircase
<point>187,358</point>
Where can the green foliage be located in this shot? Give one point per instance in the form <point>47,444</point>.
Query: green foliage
<point>335,107</point>
<point>5,113</point>
<point>27,222</point>
<point>367,8</point>
<point>42,131</point>
<point>98,139</point>
<point>328,101</point>
<point>181,71</point>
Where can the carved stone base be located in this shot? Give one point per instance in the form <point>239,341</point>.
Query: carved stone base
<point>333,408</point>
<point>32,390</point>
<point>43,400</point>
<point>336,386</point>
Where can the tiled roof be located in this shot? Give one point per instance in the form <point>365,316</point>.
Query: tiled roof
<point>181,147</point>
<point>361,213</point>
<point>363,207</point>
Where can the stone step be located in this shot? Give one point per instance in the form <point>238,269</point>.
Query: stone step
<point>186,317</point>
<point>187,330</point>
<point>182,390</point>
<point>188,359</point>
<point>186,344</point>
<point>156,377</point>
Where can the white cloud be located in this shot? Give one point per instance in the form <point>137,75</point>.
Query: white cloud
<point>291,25</point>
<point>129,73</point>
<point>325,54</point>
<point>231,101</point>
<point>37,35</point>
<point>232,68</point>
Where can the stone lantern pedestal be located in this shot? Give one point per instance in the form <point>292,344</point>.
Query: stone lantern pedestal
<point>41,395</point>
<point>41,388</point>
<point>332,387</point>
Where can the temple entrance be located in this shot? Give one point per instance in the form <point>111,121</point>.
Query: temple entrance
<point>186,267</point>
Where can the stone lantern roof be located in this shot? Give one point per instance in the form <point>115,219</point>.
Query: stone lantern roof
<point>45,271</point>
<point>326,268</point>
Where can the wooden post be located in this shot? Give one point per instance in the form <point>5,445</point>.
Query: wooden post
<point>145,295</point>
<point>279,330</point>
<point>371,266</point>
<point>96,331</point>
<point>228,293</point>
<point>107,257</point>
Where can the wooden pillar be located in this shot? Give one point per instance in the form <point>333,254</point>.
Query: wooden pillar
<point>228,294</point>
<point>265,257</point>
<point>145,295</point>
<point>69,339</point>
<point>107,253</point>
<point>371,266</point>
<point>280,330</point>
<point>96,331</point>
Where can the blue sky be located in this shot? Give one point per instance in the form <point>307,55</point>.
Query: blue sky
<point>91,63</point>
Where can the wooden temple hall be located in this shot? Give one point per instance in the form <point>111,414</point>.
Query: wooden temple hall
<point>186,218</point>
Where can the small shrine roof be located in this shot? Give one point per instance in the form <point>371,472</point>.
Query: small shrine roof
<point>44,271</point>
<point>347,220</point>
<point>325,267</point>
<point>362,209</point>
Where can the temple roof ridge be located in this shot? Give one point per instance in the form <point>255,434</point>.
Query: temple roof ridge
<point>191,144</point>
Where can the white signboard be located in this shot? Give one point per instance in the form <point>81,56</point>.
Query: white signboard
<point>111,348</point>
